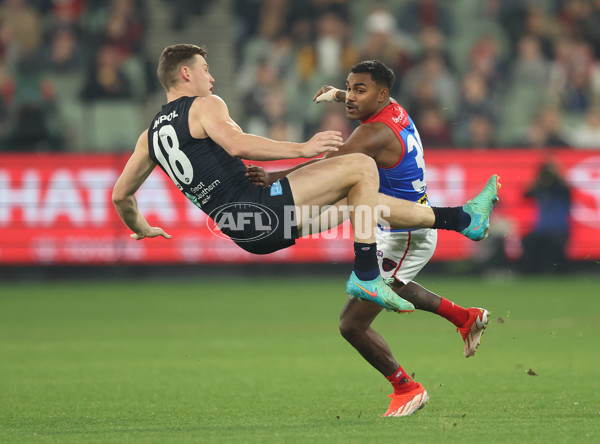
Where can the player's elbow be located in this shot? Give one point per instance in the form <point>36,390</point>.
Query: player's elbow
<point>236,147</point>
<point>236,150</point>
<point>119,197</point>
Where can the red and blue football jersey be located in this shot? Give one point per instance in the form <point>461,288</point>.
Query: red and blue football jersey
<point>406,179</point>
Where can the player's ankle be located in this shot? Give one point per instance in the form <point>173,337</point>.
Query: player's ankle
<point>366,267</point>
<point>450,218</point>
<point>401,381</point>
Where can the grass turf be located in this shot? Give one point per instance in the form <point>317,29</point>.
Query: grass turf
<point>262,361</point>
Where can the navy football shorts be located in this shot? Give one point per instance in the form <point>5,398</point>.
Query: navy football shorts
<point>262,220</point>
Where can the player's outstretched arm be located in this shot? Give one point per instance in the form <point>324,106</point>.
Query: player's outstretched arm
<point>366,139</point>
<point>211,114</point>
<point>330,94</point>
<point>136,171</point>
<point>261,178</point>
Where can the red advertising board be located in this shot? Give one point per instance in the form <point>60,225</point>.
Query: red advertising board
<point>56,209</point>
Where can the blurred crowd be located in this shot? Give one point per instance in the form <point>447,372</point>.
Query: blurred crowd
<point>56,56</point>
<point>471,73</point>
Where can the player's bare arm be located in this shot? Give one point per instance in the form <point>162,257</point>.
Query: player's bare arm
<point>259,177</point>
<point>136,171</point>
<point>369,139</point>
<point>330,94</point>
<point>209,117</point>
<point>374,140</point>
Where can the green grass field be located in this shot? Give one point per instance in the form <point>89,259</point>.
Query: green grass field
<point>262,361</point>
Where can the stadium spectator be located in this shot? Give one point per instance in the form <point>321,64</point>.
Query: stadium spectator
<point>552,122</point>
<point>414,15</point>
<point>485,59</point>
<point>587,133</point>
<point>23,28</point>
<point>475,101</point>
<point>574,75</point>
<point>539,25</point>
<point>7,88</point>
<point>432,41</point>
<point>182,9</point>
<point>530,67</point>
<point>34,125</point>
<point>105,78</point>
<point>421,97</point>
<point>433,128</point>
<point>247,14</point>
<point>333,49</point>
<point>64,52</point>
<point>384,42</point>
<point>124,27</point>
<point>265,103</point>
<point>30,131</point>
<point>66,13</point>
<point>325,60</point>
<point>512,16</point>
<point>316,8</point>
<point>544,247</point>
<point>536,136</point>
<point>590,28</point>
<point>276,113</point>
<point>442,82</point>
<point>481,132</point>
<point>571,16</point>
<point>302,33</point>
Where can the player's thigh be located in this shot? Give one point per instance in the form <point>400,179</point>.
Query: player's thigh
<point>328,181</point>
<point>323,218</point>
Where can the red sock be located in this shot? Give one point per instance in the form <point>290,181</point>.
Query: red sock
<point>401,381</point>
<point>453,312</point>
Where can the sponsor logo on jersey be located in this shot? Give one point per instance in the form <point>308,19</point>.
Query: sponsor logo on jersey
<point>401,117</point>
<point>276,189</point>
<point>167,117</point>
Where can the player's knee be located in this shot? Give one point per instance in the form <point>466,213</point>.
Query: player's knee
<point>362,169</point>
<point>362,164</point>
<point>349,329</point>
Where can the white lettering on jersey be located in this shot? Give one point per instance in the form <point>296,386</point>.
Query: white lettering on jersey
<point>167,117</point>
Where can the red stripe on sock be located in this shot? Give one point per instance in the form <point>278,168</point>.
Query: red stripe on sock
<point>453,312</point>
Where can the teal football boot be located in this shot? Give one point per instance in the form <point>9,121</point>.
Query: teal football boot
<point>480,208</point>
<point>378,292</point>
